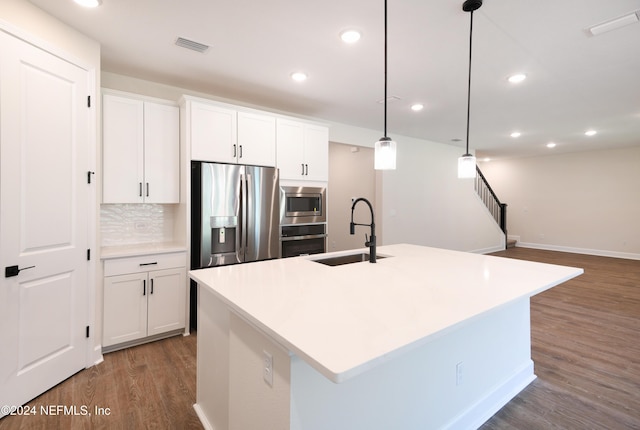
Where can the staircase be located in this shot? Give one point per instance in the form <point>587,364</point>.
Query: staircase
<point>497,209</point>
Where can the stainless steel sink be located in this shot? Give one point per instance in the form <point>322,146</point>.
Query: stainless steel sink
<point>346,259</point>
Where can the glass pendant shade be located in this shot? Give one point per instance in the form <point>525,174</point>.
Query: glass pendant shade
<point>467,166</point>
<point>385,154</point>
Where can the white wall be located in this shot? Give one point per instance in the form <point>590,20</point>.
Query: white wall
<point>587,202</point>
<point>352,168</point>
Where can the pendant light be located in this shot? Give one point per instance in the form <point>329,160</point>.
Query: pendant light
<point>467,163</point>
<point>385,148</point>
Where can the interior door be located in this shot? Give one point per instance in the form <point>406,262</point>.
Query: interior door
<point>44,195</point>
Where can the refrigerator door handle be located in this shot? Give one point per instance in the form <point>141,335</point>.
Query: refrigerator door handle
<point>247,200</point>
<point>243,217</point>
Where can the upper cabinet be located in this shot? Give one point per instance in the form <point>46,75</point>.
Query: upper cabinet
<point>223,134</point>
<point>302,150</point>
<point>141,150</point>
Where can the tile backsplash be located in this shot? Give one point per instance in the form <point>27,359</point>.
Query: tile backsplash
<point>130,224</point>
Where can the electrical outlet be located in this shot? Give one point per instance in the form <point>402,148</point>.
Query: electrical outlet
<point>459,369</point>
<point>267,368</point>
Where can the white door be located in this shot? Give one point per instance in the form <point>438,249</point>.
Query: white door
<point>166,307</point>
<point>256,139</point>
<point>161,153</point>
<point>44,195</point>
<point>125,308</point>
<point>122,149</point>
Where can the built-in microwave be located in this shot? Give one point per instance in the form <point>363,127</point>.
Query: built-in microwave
<point>302,205</point>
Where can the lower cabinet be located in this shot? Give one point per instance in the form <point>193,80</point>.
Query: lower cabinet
<point>142,304</point>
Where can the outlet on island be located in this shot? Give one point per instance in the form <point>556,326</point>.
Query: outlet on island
<point>267,368</point>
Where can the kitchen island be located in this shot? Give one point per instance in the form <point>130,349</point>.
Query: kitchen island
<point>425,338</point>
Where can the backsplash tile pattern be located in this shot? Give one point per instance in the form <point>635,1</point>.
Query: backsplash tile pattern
<point>130,224</point>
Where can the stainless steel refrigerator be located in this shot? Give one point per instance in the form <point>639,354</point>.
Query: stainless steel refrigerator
<point>235,214</point>
<point>235,217</point>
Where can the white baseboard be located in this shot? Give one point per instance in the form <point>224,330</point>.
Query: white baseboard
<point>598,252</point>
<point>478,413</point>
<point>488,250</point>
<point>203,418</point>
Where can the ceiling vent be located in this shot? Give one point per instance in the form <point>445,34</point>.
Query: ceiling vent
<point>190,44</point>
<point>614,24</point>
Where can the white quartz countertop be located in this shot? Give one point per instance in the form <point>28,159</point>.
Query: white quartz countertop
<point>345,320</point>
<point>134,250</point>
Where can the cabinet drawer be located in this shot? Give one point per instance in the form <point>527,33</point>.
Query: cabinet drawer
<point>144,263</point>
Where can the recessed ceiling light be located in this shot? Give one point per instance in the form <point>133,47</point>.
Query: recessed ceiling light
<point>350,36</point>
<point>515,79</point>
<point>417,107</point>
<point>89,3</point>
<point>486,159</point>
<point>299,76</point>
<point>551,145</point>
<point>590,133</point>
<point>515,134</point>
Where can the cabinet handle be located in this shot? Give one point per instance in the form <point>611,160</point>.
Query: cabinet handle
<point>151,285</point>
<point>147,189</point>
<point>302,164</point>
<point>240,151</point>
<point>148,264</point>
<point>140,188</point>
<point>144,287</point>
<point>306,170</point>
<point>234,151</point>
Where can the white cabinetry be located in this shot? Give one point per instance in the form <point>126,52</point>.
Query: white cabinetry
<point>302,150</point>
<point>256,139</point>
<point>141,151</point>
<point>144,298</point>
<point>220,133</point>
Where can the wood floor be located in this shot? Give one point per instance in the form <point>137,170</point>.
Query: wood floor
<point>585,345</point>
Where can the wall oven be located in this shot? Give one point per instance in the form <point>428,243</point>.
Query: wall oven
<point>303,239</point>
<point>302,205</point>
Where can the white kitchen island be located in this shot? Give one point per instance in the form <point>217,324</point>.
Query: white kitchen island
<point>424,339</point>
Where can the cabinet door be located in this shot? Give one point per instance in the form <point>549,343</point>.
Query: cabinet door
<point>256,139</point>
<point>125,308</point>
<point>161,153</point>
<point>316,152</point>
<point>213,133</point>
<point>122,149</point>
<point>290,140</point>
<point>167,300</point>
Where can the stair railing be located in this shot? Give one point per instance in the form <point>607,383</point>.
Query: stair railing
<point>497,209</point>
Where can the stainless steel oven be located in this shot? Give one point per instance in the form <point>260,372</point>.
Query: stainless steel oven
<point>302,205</point>
<point>303,239</point>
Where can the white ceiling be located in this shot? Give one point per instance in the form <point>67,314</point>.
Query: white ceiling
<point>575,81</point>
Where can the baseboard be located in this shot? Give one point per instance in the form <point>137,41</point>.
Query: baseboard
<point>203,418</point>
<point>478,413</point>
<point>97,355</point>
<point>488,250</point>
<point>586,251</point>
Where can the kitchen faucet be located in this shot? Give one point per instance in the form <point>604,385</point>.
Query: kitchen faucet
<point>371,242</point>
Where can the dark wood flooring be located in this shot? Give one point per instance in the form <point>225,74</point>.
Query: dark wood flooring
<point>585,341</point>
<point>585,345</point>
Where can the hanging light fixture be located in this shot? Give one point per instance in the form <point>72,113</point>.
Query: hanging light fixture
<point>467,163</point>
<point>385,148</point>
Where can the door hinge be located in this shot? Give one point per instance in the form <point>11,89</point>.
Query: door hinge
<point>88,254</point>
<point>89,101</point>
<point>87,331</point>
<point>89,173</point>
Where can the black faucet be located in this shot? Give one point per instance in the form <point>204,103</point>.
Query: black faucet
<point>371,242</point>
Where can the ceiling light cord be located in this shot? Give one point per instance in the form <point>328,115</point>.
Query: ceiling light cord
<point>469,83</point>
<point>385,68</point>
